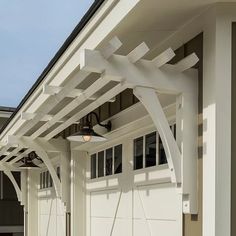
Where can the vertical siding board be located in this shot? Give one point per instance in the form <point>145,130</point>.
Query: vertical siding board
<point>104,111</point>
<point>115,106</point>
<point>233,133</point>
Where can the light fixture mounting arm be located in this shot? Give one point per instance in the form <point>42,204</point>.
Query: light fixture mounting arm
<point>108,125</point>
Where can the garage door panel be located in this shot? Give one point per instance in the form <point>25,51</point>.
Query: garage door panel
<point>61,231</point>
<point>48,225</point>
<point>165,228</point>
<point>122,227</point>
<point>101,226</point>
<point>51,217</point>
<point>155,227</point>
<point>125,205</point>
<point>157,202</point>
<point>104,203</point>
<point>48,206</point>
<point>141,228</point>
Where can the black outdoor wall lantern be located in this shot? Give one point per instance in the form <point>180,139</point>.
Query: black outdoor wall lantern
<point>28,162</point>
<point>86,132</point>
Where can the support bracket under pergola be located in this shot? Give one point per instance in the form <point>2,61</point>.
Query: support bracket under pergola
<point>41,147</point>
<point>9,174</point>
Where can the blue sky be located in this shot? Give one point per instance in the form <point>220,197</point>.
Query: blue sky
<point>31,32</point>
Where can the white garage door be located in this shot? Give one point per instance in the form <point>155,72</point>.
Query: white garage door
<point>148,210</point>
<point>51,210</point>
<point>51,217</point>
<point>139,202</point>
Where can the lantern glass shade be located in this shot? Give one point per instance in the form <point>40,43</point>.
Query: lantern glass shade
<point>86,134</point>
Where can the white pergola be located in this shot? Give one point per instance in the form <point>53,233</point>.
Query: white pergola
<point>99,77</point>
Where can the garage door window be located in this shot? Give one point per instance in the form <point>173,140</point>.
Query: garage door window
<point>45,180</point>
<point>149,150</point>
<point>109,161</point>
<point>138,153</point>
<point>118,159</point>
<point>101,164</point>
<point>106,162</point>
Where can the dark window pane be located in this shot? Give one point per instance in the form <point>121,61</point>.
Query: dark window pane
<point>1,185</point>
<point>41,180</point>
<point>162,154</point>
<point>93,166</point>
<point>44,180</point>
<point>47,179</point>
<point>174,130</point>
<point>51,183</point>
<point>138,153</point>
<point>101,164</point>
<point>109,161</point>
<point>150,150</point>
<point>59,172</point>
<point>118,159</point>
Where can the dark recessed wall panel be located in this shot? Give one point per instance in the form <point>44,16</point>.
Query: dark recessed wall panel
<point>233,134</point>
<point>127,99</point>
<point>104,111</point>
<point>115,106</point>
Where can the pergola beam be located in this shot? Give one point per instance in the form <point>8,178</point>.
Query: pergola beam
<point>108,95</point>
<point>90,91</point>
<point>186,63</point>
<point>78,77</point>
<point>144,73</point>
<point>164,57</point>
<point>138,53</point>
<point>22,155</point>
<point>52,90</point>
<point>10,155</point>
<point>113,45</point>
<point>4,149</point>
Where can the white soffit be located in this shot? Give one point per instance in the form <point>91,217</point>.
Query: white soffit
<point>154,21</point>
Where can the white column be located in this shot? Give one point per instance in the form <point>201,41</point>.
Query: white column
<point>78,193</point>
<point>32,206</point>
<point>217,124</point>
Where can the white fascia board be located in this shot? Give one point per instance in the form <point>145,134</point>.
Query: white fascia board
<point>98,28</point>
<point>5,114</point>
